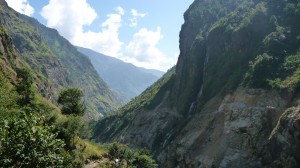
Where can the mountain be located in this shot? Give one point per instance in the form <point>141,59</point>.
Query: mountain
<point>36,134</point>
<point>125,79</point>
<point>233,98</point>
<point>56,63</point>
<point>154,72</point>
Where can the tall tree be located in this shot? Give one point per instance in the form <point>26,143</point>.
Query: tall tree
<point>71,101</point>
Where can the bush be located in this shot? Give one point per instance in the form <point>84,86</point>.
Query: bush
<point>71,127</point>
<point>122,156</point>
<point>289,74</point>
<point>260,70</point>
<point>25,143</point>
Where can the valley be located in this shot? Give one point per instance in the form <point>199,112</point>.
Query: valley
<point>232,100</point>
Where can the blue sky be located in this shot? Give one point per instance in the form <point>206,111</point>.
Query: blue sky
<point>143,32</point>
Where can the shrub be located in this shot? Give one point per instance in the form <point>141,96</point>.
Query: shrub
<point>25,143</point>
<point>122,156</point>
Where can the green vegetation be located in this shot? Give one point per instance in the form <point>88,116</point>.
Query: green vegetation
<point>8,97</point>
<point>77,72</point>
<point>24,87</point>
<point>260,68</point>
<point>120,155</point>
<point>92,150</point>
<point>24,142</point>
<point>290,75</point>
<point>28,130</point>
<point>33,131</point>
<point>33,135</point>
<point>25,139</point>
<point>278,66</point>
<point>71,101</point>
<point>246,51</point>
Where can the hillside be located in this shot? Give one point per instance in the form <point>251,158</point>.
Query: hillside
<point>127,80</point>
<point>56,63</point>
<point>35,133</point>
<point>233,100</point>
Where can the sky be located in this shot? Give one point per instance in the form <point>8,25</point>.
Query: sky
<point>142,32</point>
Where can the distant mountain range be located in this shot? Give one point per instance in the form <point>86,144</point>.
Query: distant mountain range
<point>152,71</point>
<point>125,79</point>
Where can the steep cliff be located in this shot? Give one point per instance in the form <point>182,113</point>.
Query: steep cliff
<point>56,62</point>
<point>237,74</point>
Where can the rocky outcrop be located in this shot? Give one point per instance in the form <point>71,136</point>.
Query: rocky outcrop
<point>227,133</point>
<point>283,147</point>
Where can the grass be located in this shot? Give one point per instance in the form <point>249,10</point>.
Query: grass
<point>91,150</point>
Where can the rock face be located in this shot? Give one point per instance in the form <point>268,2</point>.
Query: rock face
<point>283,147</point>
<point>194,56</point>
<point>233,99</point>
<point>228,133</point>
<point>236,131</point>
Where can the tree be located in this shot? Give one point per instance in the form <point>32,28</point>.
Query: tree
<point>71,101</point>
<point>24,87</point>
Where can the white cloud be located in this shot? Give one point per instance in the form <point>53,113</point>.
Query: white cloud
<point>120,10</point>
<point>143,51</point>
<point>21,6</point>
<point>135,17</point>
<point>69,17</point>
<point>107,40</point>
